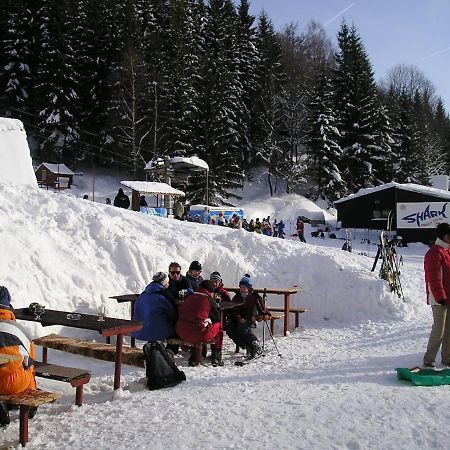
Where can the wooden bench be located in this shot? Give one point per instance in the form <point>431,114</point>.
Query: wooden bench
<point>130,355</point>
<point>26,400</point>
<point>76,377</point>
<point>97,350</point>
<point>296,311</point>
<point>198,347</point>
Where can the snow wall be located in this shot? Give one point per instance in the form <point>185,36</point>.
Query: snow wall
<point>15,159</point>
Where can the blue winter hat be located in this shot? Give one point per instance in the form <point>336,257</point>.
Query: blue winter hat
<point>5,297</point>
<point>245,281</point>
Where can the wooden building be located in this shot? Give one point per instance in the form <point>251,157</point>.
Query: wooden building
<point>376,209</point>
<point>55,176</point>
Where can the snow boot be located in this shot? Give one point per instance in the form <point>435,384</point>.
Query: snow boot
<point>254,351</point>
<point>32,412</point>
<point>4,415</point>
<point>216,358</point>
<point>191,361</point>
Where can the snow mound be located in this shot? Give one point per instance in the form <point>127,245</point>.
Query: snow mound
<point>68,253</point>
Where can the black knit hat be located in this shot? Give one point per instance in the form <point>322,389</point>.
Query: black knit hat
<point>442,229</point>
<point>195,265</point>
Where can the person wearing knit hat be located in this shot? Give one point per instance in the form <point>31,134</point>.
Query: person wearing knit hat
<point>242,320</point>
<point>161,278</point>
<point>155,307</point>
<point>5,297</point>
<point>220,293</point>
<point>193,275</point>
<point>437,280</point>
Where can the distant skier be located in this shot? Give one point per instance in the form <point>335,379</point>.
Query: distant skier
<point>301,229</point>
<point>281,226</point>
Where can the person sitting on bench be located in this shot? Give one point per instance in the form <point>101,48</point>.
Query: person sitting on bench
<point>156,309</point>
<point>199,321</point>
<point>16,375</point>
<point>242,319</point>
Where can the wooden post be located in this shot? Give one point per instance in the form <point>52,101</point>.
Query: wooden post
<point>287,307</point>
<point>118,363</point>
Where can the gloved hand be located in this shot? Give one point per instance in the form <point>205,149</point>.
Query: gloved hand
<point>442,301</point>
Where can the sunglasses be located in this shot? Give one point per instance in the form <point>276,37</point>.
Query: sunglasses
<point>174,272</point>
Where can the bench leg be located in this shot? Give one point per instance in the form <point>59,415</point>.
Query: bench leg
<point>118,363</point>
<point>23,425</point>
<point>44,355</point>
<point>297,319</point>
<point>79,395</point>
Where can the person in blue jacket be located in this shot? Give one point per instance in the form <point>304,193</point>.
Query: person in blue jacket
<point>155,308</point>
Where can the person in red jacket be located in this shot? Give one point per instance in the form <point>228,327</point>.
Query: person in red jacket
<point>199,321</point>
<point>437,279</point>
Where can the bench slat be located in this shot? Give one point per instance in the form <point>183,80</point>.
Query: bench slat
<point>61,373</point>
<point>281,309</point>
<point>30,398</point>
<point>97,350</point>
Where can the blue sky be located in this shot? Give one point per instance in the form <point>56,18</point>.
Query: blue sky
<point>396,31</point>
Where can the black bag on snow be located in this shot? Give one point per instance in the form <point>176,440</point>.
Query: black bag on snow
<point>161,370</point>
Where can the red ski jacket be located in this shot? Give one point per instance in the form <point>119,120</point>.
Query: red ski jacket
<point>437,272</point>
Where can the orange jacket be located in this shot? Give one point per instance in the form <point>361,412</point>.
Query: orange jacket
<point>14,377</point>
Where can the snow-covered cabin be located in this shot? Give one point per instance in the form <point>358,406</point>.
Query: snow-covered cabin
<point>376,209</point>
<point>56,176</point>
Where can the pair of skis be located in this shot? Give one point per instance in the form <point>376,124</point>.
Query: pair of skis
<point>390,267</point>
<point>246,361</point>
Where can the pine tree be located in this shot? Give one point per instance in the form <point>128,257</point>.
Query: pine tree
<point>18,49</point>
<point>221,104</point>
<point>322,143</point>
<point>270,138</point>
<point>56,85</point>
<point>248,59</point>
<point>184,81</point>
<point>411,167</point>
<point>442,129</point>
<point>356,107</point>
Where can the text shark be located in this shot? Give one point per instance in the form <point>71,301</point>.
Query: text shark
<point>427,213</point>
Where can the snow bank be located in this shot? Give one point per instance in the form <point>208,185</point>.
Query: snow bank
<point>72,254</point>
<point>16,165</point>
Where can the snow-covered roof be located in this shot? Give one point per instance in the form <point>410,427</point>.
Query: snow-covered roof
<point>192,162</point>
<point>214,208</point>
<point>152,187</point>
<point>179,162</point>
<point>404,186</point>
<point>60,169</point>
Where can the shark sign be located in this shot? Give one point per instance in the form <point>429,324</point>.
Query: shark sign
<point>422,215</point>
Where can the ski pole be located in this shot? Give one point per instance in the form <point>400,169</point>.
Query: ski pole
<point>265,321</point>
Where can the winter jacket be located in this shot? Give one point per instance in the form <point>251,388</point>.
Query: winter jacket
<point>300,226</point>
<point>193,314</point>
<point>157,312</point>
<point>250,308</point>
<point>193,282</point>
<point>175,286</point>
<point>122,200</point>
<point>437,272</point>
<point>15,376</point>
<point>222,292</point>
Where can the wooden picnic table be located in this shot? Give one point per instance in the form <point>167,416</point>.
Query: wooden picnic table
<point>109,327</point>
<point>286,292</point>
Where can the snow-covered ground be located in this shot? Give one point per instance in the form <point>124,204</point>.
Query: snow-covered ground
<point>333,387</point>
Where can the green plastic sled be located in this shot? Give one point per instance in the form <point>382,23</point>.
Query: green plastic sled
<point>424,377</point>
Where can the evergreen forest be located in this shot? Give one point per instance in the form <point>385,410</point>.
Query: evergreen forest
<point>117,83</point>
